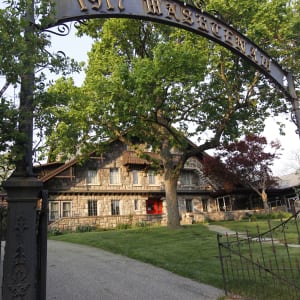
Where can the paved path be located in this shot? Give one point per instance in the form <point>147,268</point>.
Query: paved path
<point>222,230</point>
<point>78,272</point>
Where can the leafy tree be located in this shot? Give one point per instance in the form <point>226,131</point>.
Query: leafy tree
<point>163,85</point>
<point>8,125</point>
<point>24,54</point>
<point>245,162</point>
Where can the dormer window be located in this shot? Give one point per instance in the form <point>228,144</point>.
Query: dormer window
<point>114,176</point>
<point>151,177</point>
<point>135,177</point>
<point>92,177</point>
<point>187,178</point>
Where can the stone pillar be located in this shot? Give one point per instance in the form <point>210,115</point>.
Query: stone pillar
<point>20,261</point>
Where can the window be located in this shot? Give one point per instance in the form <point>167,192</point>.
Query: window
<point>66,209</point>
<point>189,205</point>
<point>114,177</point>
<point>92,177</point>
<point>136,204</point>
<point>187,178</point>
<point>115,207</point>
<point>60,209</point>
<point>204,204</point>
<point>151,177</point>
<point>54,211</point>
<point>135,177</point>
<point>92,208</point>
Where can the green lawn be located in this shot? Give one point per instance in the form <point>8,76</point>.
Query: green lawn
<point>191,251</point>
<point>290,233</point>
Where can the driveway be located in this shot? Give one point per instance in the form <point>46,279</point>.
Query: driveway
<point>78,272</point>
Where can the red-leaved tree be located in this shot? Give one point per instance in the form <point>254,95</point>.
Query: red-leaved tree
<point>247,162</point>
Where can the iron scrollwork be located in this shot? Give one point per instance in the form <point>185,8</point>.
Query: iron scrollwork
<point>61,30</point>
<point>19,283</point>
<point>65,29</point>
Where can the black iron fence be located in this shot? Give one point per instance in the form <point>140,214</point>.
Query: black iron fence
<point>263,265</point>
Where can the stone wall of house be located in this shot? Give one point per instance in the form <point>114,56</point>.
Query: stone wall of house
<point>201,205</point>
<point>128,207</point>
<point>110,222</point>
<point>106,222</point>
<point>79,203</point>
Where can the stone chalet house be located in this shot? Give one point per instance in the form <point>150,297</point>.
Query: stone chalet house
<point>118,187</point>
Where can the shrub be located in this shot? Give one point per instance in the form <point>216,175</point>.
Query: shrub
<point>270,216</point>
<point>123,226</point>
<point>142,224</point>
<point>85,228</point>
<point>274,215</point>
<point>54,232</point>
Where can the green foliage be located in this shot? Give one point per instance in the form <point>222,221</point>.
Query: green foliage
<point>85,228</point>
<point>142,224</point>
<point>274,215</point>
<point>123,226</point>
<point>8,126</point>
<point>54,232</point>
<point>138,70</point>
<point>24,49</point>
<point>271,216</point>
<point>271,24</point>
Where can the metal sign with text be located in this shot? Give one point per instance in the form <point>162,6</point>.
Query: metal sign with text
<point>179,14</point>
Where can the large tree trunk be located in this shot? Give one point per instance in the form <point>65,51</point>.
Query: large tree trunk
<point>264,198</point>
<point>172,171</point>
<point>171,199</point>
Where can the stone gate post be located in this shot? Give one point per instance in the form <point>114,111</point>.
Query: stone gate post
<point>20,260</point>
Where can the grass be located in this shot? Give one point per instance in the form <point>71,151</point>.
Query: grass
<point>275,273</point>
<point>192,251</point>
<point>261,226</point>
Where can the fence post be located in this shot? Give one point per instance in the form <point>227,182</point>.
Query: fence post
<point>219,236</point>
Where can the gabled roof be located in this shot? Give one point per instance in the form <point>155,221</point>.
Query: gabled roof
<point>289,180</point>
<point>131,158</point>
<point>58,170</point>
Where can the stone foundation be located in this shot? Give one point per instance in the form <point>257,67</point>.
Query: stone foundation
<point>109,222</point>
<point>105,222</point>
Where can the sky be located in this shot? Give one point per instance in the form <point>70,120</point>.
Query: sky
<point>77,48</point>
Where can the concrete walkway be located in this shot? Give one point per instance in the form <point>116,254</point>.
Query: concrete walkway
<point>222,230</point>
<point>77,272</point>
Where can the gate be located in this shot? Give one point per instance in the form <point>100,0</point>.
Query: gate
<point>263,265</point>
<point>20,276</point>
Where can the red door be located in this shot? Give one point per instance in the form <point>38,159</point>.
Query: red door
<point>154,207</point>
